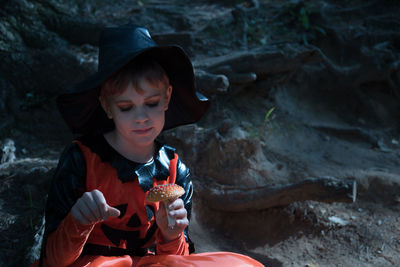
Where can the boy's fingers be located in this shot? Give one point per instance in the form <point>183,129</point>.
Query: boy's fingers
<point>88,210</point>
<point>175,204</point>
<point>182,223</point>
<point>85,219</point>
<point>92,204</point>
<point>100,203</point>
<point>79,217</point>
<point>113,212</point>
<point>84,212</point>
<point>178,214</point>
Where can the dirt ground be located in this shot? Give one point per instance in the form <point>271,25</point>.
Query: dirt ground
<point>311,233</point>
<point>319,128</point>
<point>315,234</point>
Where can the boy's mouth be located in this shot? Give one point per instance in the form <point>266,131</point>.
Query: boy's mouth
<point>142,131</point>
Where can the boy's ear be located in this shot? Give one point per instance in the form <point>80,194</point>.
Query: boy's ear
<point>104,105</point>
<point>168,94</point>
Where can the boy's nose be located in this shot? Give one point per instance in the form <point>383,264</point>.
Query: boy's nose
<point>140,115</point>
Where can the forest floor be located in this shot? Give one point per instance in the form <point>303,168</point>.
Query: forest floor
<point>310,133</point>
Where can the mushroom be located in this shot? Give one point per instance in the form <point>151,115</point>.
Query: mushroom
<point>165,193</point>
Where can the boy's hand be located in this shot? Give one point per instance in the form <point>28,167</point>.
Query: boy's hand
<point>92,207</point>
<point>176,211</point>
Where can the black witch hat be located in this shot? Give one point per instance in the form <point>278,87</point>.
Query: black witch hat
<point>80,107</point>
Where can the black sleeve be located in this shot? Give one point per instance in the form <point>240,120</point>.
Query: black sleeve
<point>183,179</point>
<point>67,186</point>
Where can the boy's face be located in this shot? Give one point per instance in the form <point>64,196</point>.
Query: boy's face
<point>139,115</point>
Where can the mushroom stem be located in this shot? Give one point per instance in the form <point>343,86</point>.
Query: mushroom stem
<point>171,221</point>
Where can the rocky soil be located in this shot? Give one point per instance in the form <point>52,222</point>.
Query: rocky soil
<point>304,93</point>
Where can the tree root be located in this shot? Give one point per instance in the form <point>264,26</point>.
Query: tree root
<point>349,131</point>
<point>236,199</point>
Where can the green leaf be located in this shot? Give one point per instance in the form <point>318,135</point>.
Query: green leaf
<point>304,18</point>
<point>268,114</point>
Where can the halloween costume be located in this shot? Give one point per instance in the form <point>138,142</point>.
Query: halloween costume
<point>125,240</point>
<point>89,163</point>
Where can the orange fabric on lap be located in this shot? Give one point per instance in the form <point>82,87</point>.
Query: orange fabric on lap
<point>209,259</point>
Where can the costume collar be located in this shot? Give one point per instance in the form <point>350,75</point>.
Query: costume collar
<point>128,170</point>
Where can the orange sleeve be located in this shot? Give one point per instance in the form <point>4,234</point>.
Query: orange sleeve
<point>178,246</point>
<point>65,244</point>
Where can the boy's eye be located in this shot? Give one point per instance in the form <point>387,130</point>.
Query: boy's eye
<point>153,104</point>
<point>125,108</point>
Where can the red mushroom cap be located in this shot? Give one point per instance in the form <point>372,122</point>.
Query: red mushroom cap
<point>164,192</point>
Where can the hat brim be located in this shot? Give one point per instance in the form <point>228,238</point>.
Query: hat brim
<point>81,109</point>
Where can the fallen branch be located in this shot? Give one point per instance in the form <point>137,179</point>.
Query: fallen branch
<point>236,199</point>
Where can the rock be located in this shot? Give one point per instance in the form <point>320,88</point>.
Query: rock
<point>25,189</point>
<point>337,220</point>
<point>211,83</point>
<point>8,149</point>
<point>34,252</point>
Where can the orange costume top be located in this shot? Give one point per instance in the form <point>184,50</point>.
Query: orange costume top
<point>91,163</point>
<point>133,238</point>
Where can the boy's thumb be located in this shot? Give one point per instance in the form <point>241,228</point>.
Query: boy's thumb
<point>113,212</point>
